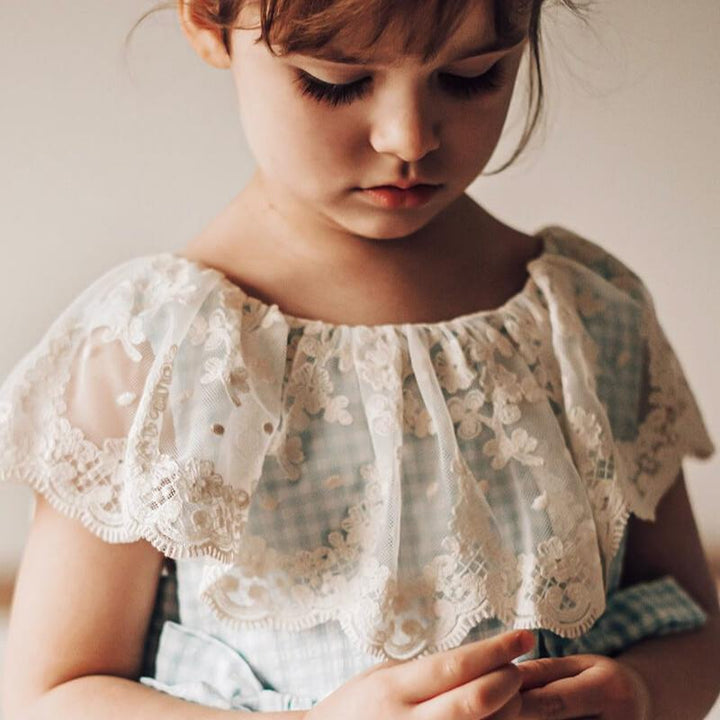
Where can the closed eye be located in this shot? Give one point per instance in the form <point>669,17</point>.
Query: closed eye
<point>458,86</point>
<point>469,87</point>
<point>331,93</point>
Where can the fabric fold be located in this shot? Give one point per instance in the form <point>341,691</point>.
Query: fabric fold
<point>196,667</point>
<point>408,481</point>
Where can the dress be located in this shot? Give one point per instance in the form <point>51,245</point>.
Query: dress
<point>336,495</point>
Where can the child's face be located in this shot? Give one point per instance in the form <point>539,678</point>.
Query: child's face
<point>318,155</point>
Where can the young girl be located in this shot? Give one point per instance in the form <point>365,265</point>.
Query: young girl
<point>391,457</point>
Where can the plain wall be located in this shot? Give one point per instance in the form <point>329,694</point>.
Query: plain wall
<point>105,157</point>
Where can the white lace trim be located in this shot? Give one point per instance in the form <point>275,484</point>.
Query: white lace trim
<point>220,402</point>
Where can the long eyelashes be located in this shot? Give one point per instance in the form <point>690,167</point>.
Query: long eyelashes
<point>330,93</point>
<point>464,88</point>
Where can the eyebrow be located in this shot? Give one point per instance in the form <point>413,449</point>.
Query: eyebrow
<point>497,45</point>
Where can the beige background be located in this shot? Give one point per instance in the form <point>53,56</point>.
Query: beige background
<point>103,159</point>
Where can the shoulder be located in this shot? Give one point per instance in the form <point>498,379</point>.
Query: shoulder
<point>139,299</point>
<point>592,258</point>
<point>145,283</point>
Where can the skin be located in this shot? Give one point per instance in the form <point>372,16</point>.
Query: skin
<point>72,594</point>
<point>301,224</point>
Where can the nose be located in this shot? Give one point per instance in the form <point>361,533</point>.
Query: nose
<point>405,125</point>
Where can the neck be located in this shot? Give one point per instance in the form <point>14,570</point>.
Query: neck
<point>313,243</point>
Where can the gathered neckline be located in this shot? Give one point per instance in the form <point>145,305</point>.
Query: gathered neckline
<point>297,321</point>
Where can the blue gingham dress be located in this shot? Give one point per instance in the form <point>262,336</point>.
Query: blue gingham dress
<point>270,671</point>
<point>329,496</point>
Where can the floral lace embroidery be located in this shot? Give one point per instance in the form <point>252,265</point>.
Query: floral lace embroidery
<point>505,404</point>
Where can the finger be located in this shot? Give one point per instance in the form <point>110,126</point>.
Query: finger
<point>536,673</point>
<point>432,675</point>
<point>509,711</point>
<point>574,697</point>
<point>480,698</point>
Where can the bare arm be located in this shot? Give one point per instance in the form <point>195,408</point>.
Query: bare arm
<point>77,630</point>
<point>682,671</point>
<point>113,698</point>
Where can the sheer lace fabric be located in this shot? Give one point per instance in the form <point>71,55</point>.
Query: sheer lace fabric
<point>406,480</point>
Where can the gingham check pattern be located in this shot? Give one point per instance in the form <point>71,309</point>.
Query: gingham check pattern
<point>204,661</point>
<point>645,610</point>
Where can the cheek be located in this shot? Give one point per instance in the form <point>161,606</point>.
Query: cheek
<point>477,128</point>
<point>470,138</point>
<point>294,139</point>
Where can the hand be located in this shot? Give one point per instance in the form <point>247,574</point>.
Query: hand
<point>582,686</point>
<point>470,682</point>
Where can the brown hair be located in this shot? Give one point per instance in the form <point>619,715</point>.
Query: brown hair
<point>308,25</point>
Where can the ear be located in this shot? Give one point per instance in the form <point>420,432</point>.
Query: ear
<point>205,40</point>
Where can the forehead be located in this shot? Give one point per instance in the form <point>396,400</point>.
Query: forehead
<point>382,31</point>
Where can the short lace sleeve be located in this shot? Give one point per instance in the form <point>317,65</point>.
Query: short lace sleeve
<point>670,424</point>
<point>651,418</point>
<point>79,411</point>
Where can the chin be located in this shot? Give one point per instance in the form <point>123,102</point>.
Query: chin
<point>388,224</point>
<point>388,230</point>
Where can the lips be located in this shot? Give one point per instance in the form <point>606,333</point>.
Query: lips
<point>391,196</point>
<point>403,185</point>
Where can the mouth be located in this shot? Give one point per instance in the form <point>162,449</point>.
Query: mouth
<point>405,184</point>
<point>392,196</point>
